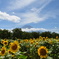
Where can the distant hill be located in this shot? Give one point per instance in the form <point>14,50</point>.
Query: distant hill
<point>27,26</point>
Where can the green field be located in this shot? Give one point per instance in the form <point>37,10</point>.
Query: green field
<point>40,48</point>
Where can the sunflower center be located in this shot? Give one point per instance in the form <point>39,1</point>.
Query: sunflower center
<point>14,47</point>
<point>3,51</point>
<point>43,52</point>
<point>5,43</point>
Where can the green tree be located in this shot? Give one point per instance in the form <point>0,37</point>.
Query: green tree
<point>27,35</point>
<point>55,34</point>
<point>5,34</point>
<point>46,34</point>
<point>17,32</point>
<point>35,34</point>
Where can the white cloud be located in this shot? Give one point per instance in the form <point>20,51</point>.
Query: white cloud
<point>54,30</point>
<point>34,15</point>
<point>5,16</point>
<point>33,29</point>
<point>45,3</point>
<point>31,18</point>
<point>18,4</point>
<point>40,29</point>
<point>41,4</point>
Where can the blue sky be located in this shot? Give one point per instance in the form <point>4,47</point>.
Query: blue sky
<point>40,14</point>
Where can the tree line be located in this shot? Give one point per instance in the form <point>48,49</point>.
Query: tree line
<point>18,33</point>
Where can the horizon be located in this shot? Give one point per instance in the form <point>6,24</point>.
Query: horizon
<point>25,29</point>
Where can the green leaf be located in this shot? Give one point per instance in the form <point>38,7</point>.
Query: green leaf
<point>21,56</point>
<point>49,57</point>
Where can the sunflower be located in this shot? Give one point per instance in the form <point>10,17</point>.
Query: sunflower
<point>42,52</point>
<point>32,42</point>
<point>40,37</point>
<point>5,42</point>
<point>14,47</point>
<point>56,37</point>
<point>43,38</point>
<point>9,52</point>
<point>46,37</point>
<point>2,41</point>
<point>3,51</point>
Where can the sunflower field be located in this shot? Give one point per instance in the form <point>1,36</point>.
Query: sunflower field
<point>40,48</point>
